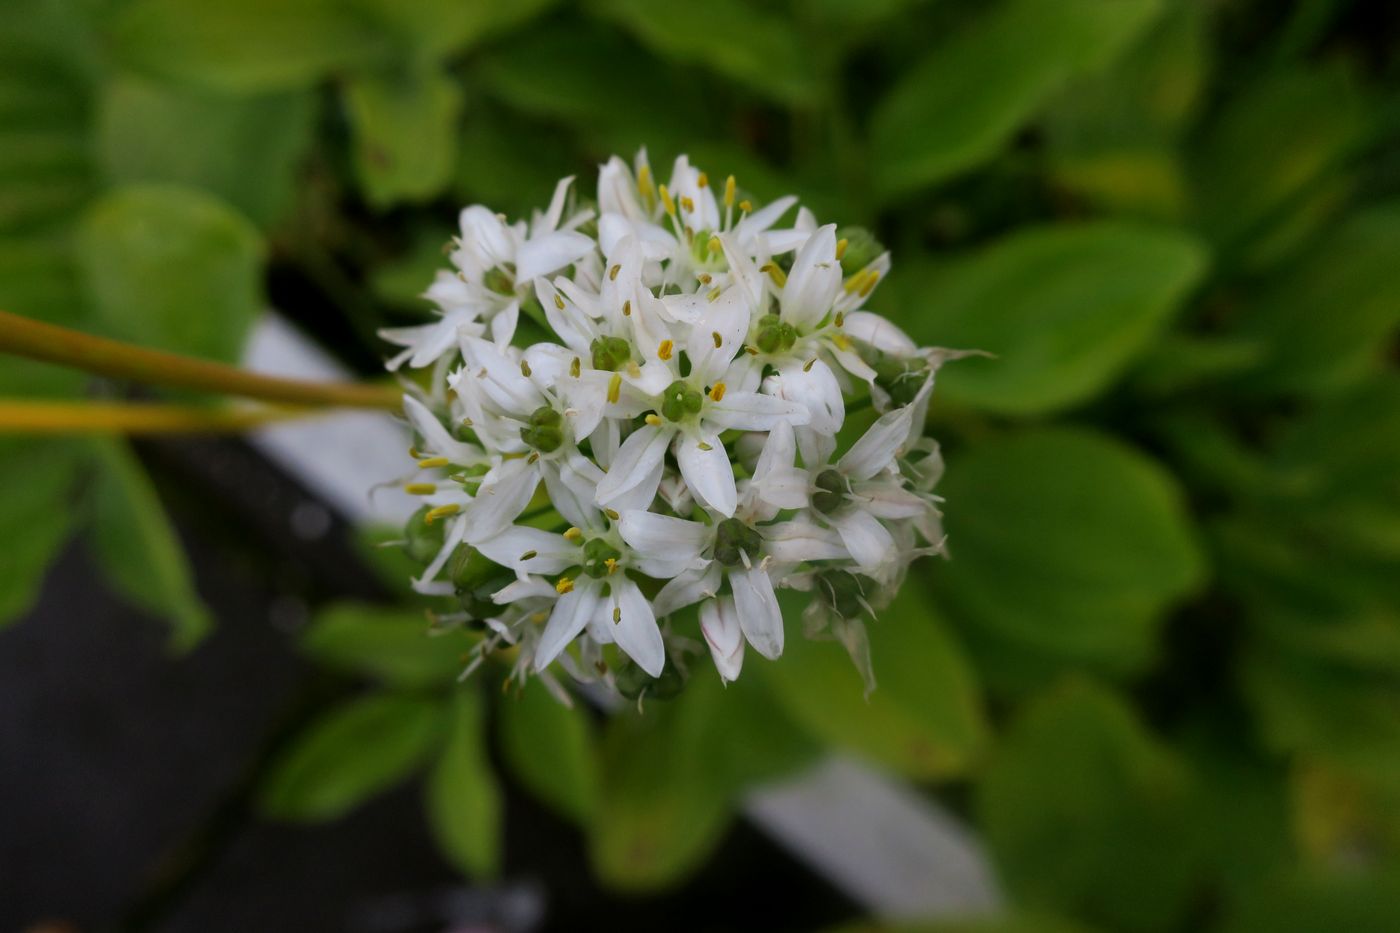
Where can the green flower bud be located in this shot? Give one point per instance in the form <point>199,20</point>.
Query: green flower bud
<point>774,334</point>
<point>610,353</point>
<point>732,539</point>
<point>499,281</point>
<point>596,554</point>
<point>831,491</point>
<point>544,432</point>
<point>633,682</point>
<point>861,248</point>
<point>422,540</point>
<point>902,379</point>
<point>844,591</point>
<point>680,401</point>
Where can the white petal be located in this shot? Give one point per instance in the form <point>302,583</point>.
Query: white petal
<point>879,333</point>
<point>572,613</point>
<point>572,484</point>
<point>814,281</point>
<point>503,495</point>
<point>663,535</point>
<point>814,385</point>
<point>485,237</point>
<point>765,217</point>
<point>635,462</point>
<point>719,622</point>
<point>798,540</point>
<point>436,440</point>
<point>727,316</point>
<point>455,532</point>
<point>549,552</point>
<point>753,411</point>
<point>550,220</point>
<point>868,541</point>
<point>785,487</point>
<point>687,589</point>
<point>886,498</point>
<point>634,627</point>
<point>503,323</point>
<point>757,607</point>
<point>550,253</point>
<point>705,465</point>
<point>878,446</point>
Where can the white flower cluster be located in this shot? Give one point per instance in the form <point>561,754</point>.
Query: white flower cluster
<point>677,370</point>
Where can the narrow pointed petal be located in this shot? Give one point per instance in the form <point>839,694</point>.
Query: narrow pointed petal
<point>529,550</point>
<point>878,446</point>
<point>719,623</point>
<point>635,463</point>
<point>814,281</point>
<point>550,253</point>
<point>757,608</point>
<point>753,411</point>
<point>869,542</point>
<point>634,627</point>
<point>705,465</point>
<point>572,613</point>
<point>687,589</point>
<point>503,495</point>
<point>436,440</point>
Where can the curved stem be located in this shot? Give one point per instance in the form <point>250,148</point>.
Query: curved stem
<point>29,417</point>
<point>50,343</point>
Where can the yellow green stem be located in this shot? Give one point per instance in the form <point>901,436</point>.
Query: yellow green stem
<point>90,417</point>
<point>50,343</point>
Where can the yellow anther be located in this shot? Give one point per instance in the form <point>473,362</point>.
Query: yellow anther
<point>869,285</point>
<point>746,206</point>
<point>841,245</point>
<point>715,245</point>
<point>840,318</point>
<point>853,283</point>
<point>558,302</point>
<point>654,420</point>
<point>633,369</point>
<point>529,555</point>
<point>433,463</point>
<point>627,308</point>
<point>413,452</point>
<point>665,350</point>
<point>612,513</point>
<point>617,614</point>
<point>705,278</point>
<point>807,367</point>
<point>611,563</point>
<point>667,201</point>
<point>576,367</point>
<point>534,456</point>
<point>614,387</point>
<point>729,186</point>
<point>573,534</point>
<point>715,336</point>
<point>841,341</point>
<point>525,368</point>
<point>420,489</point>
<point>441,511</point>
<point>565,585</point>
<point>717,392</point>
<point>705,447</point>
<point>702,180</point>
<point>775,272</point>
<point>751,350</point>
<point>539,618</point>
<point>687,204</point>
<point>612,273</point>
<point>467,423</point>
<point>644,183</point>
<point>714,295</point>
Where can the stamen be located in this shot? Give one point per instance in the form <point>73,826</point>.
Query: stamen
<point>702,180</point>
<point>717,392</point>
<point>687,204</point>
<point>611,564</point>
<point>705,447</point>
<point>433,463</point>
<point>751,350</point>
<point>420,489</point>
<point>869,286</point>
<point>714,295</point>
<point>614,387</point>
<point>573,534</point>
<point>665,349</point>
<point>719,341</point>
<point>565,585</point>
<point>715,245</point>
<point>627,308</point>
<point>612,513</point>
<point>807,368</point>
<point>525,369</point>
<point>612,273</point>
<point>666,200</point>
<point>729,186</point>
<point>558,302</point>
<point>840,318</point>
<point>705,278</point>
<point>775,272</point>
<point>576,368</point>
<point>529,555</point>
<point>534,455</point>
<point>467,423</point>
<point>854,282</point>
<point>441,511</point>
<point>617,614</point>
<point>654,420</point>
<point>841,245</point>
<point>746,206</point>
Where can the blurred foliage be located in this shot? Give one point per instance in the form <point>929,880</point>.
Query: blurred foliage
<point>1160,672</point>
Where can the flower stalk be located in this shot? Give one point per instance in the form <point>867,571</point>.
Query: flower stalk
<point>93,417</point>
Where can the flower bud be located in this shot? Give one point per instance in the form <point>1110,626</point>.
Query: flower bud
<point>844,592</point>
<point>733,539</point>
<point>599,558</point>
<point>633,682</point>
<point>774,335</point>
<point>830,492</point>
<point>422,540</point>
<point>861,248</point>
<point>544,432</point>
<point>680,401</point>
<point>610,353</point>
<point>902,379</point>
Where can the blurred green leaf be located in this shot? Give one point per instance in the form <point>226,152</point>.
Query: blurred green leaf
<point>464,804</point>
<point>432,29</point>
<point>1270,147</point>
<point>510,164</point>
<point>1085,812</point>
<point>243,149</point>
<point>964,100</point>
<point>138,550</point>
<point>1019,922</point>
<point>924,720</point>
<point>1329,318</point>
<point>670,776</point>
<point>1357,902</point>
<point>1064,309</point>
<point>1068,544</point>
<point>248,46</point>
<point>37,488</point>
<point>405,133</point>
<point>394,645</point>
<point>551,749</point>
<point>350,754</point>
<point>172,268</point>
<point>737,39</point>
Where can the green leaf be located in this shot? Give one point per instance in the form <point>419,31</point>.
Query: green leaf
<point>138,549</point>
<point>38,477</point>
<point>1002,922</point>
<point>394,645</point>
<point>671,775</point>
<point>245,150</point>
<point>731,37</point>
<point>1064,309</point>
<point>248,46</point>
<point>511,164</point>
<point>1358,901</point>
<point>349,755</point>
<point>924,720</point>
<point>172,268</point>
<point>405,133</point>
<point>1085,813</point>
<point>1328,319</point>
<point>429,30</point>
<point>1270,146</point>
<point>960,104</point>
<point>1066,544</point>
<point>551,749</point>
<point>464,804</point>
